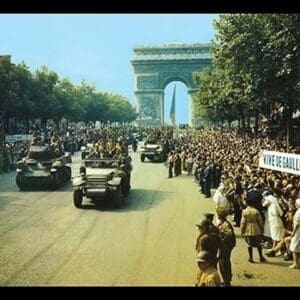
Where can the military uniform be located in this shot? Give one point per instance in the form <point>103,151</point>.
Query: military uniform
<point>228,241</point>
<point>208,277</point>
<point>252,228</point>
<point>211,243</point>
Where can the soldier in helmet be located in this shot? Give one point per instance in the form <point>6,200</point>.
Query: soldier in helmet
<point>208,241</point>
<point>208,274</point>
<point>212,228</point>
<point>228,241</point>
<point>36,141</point>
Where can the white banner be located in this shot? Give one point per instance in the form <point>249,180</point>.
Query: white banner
<point>18,138</point>
<point>280,161</point>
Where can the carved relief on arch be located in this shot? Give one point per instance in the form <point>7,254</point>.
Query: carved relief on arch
<point>146,82</point>
<point>149,108</point>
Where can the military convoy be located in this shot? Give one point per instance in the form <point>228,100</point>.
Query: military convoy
<point>43,168</point>
<point>105,179</point>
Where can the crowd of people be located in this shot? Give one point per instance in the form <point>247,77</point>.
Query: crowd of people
<point>262,202</point>
<point>106,139</point>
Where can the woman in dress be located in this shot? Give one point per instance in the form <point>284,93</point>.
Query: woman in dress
<point>274,213</point>
<point>295,240</point>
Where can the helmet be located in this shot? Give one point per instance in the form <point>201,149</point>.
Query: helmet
<point>204,223</point>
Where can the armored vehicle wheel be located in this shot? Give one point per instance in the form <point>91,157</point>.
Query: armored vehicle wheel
<point>142,157</point>
<point>67,174</point>
<point>54,183</point>
<point>125,186</point>
<point>77,198</point>
<point>117,198</point>
<point>19,181</point>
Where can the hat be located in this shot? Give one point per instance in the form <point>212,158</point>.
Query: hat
<point>209,215</point>
<point>203,223</point>
<point>203,256</point>
<point>222,211</point>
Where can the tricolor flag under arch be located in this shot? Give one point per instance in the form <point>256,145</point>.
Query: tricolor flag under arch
<point>172,110</point>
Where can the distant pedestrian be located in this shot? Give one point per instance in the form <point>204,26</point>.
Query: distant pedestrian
<point>170,164</point>
<point>177,164</point>
<point>295,240</point>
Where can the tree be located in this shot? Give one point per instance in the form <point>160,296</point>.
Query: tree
<point>44,96</point>
<point>257,55</point>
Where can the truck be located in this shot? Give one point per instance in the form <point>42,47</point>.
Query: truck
<point>106,179</point>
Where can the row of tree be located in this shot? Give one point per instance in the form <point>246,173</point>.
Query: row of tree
<point>26,96</point>
<point>255,66</point>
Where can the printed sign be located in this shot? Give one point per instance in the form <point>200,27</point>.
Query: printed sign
<point>280,161</point>
<point>18,138</point>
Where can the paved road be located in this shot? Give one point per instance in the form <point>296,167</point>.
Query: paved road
<point>150,241</point>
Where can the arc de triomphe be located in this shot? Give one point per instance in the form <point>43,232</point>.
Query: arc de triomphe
<point>155,67</point>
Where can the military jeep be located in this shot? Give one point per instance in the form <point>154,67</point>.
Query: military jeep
<point>153,151</point>
<point>103,179</point>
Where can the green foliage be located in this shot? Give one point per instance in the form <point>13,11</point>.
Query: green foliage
<point>256,62</point>
<point>44,95</point>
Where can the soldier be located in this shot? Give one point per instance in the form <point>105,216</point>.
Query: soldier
<point>228,241</point>
<point>134,144</point>
<point>210,242</point>
<point>110,148</point>
<point>207,178</point>
<point>36,141</point>
<point>255,196</point>
<point>208,274</point>
<point>212,227</point>
<point>252,228</point>
<point>171,164</point>
<point>95,153</point>
<point>177,164</point>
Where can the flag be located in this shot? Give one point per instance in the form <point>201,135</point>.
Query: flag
<point>172,110</point>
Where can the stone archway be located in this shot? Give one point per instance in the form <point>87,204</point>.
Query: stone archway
<point>155,67</point>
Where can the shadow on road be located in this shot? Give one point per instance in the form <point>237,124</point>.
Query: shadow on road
<point>33,189</point>
<point>138,199</point>
<point>279,263</point>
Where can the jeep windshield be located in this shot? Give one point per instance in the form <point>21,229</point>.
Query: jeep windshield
<point>103,164</point>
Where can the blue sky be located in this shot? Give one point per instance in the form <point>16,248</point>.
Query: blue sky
<point>99,47</point>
